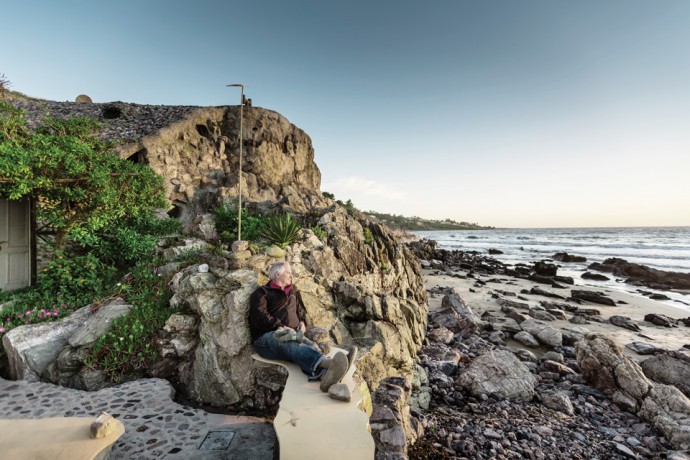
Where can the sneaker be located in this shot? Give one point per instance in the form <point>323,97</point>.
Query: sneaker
<point>351,355</point>
<point>337,371</point>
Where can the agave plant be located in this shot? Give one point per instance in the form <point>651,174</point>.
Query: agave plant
<point>281,230</point>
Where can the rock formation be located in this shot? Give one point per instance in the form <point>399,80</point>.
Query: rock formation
<point>361,290</point>
<point>643,275</point>
<point>606,367</point>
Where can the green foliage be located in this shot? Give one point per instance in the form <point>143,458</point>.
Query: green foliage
<point>368,236</point>
<point>78,278</point>
<point>4,85</point>
<point>319,231</point>
<point>417,223</point>
<point>329,195</point>
<point>190,256</point>
<point>130,240</point>
<point>80,186</point>
<point>253,227</point>
<point>226,224</point>
<point>127,348</point>
<point>348,205</point>
<point>282,230</point>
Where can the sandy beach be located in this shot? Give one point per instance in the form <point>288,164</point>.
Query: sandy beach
<point>482,298</point>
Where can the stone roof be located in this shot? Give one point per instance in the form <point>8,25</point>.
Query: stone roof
<point>121,121</point>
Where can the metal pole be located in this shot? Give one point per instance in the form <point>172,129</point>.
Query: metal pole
<point>239,176</point>
<point>239,199</point>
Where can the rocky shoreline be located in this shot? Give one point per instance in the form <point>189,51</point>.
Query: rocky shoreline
<point>557,409</point>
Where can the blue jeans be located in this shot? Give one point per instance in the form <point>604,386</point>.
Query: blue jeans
<point>306,354</point>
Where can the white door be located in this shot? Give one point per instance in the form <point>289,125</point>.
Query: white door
<point>15,244</point>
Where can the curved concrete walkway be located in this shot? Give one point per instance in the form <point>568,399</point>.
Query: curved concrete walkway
<point>155,426</point>
<point>311,425</point>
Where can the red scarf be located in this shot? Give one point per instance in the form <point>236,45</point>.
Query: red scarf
<point>286,289</point>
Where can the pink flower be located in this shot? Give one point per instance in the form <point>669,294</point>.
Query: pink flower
<point>27,312</point>
<point>20,316</point>
<point>2,330</point>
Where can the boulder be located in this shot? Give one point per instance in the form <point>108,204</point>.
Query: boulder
<point>441,334</point>
<point>498,372</point>
<point>591,296</point>
<point>512,304</point>
<point>565,257</point>
<point>668,410</point>
<point>642,348</point>
<point>625,322</point>
<point>671,368</point>
<point>456,316</point>
<point>594,276</point>
<point>558,401</point>
<point>660,320</point>
<point>543,332</point>
<point>222,372</point>
<point>99,323</point>
<point>31,348</point>
<point>545,269</point>
<point>643,275</point>
<point>391,425</point>
<point>541,314</point>
<point>665,407</point>
<point>538,291</point>
<point>526,339</point>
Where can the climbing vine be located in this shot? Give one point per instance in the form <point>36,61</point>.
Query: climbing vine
<point>80,187</point>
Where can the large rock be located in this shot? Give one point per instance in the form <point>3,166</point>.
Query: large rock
<point>391,425</point>
<point>498,372</point>
<point>605,366</point>
<point>543,332</point>
<point>99,323</point>
<point>456,316</point>
<point>31,348</point>
<point>671,368</point>
<point>643,275</point>
<point>222,370</point>
<point>591,296</point>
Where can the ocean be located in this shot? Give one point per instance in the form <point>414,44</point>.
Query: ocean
<point>664,248</point>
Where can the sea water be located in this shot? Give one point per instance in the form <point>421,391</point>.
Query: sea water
<point>663,248</point>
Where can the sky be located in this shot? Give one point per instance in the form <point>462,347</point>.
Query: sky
<point>531,113</point>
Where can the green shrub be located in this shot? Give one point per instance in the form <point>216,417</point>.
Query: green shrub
<point>319,231</point>
<point>368,236</point>
<point>79,279</point>
<point>80,186</point>
<point>282,230</point>
<point>226,224</point>
<point>128,348</point>
<point>130,241</point>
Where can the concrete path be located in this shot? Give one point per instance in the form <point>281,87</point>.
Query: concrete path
<point>155,426</point>
<point>311,425</point>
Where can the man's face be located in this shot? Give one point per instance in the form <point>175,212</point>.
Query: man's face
<point>286,278</point>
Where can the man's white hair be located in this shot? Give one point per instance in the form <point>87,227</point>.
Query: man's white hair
<point>278,269</point>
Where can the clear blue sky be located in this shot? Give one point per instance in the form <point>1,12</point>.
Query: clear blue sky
<point>532,113</point>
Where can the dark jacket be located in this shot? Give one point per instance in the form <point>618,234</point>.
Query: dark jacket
<point>270,308</point>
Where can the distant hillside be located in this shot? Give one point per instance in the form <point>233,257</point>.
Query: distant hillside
<point>408,223</point>
<point>417,223</point>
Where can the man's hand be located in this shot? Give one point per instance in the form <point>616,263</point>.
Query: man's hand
<point>302,327</point>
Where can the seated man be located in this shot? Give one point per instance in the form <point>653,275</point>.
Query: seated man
<point>278,331</point>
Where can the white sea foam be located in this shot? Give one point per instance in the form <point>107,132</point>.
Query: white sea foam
<point>663,248</point>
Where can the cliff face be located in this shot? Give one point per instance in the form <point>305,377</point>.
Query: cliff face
<point>199,157</point>
<point>363,290</point>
